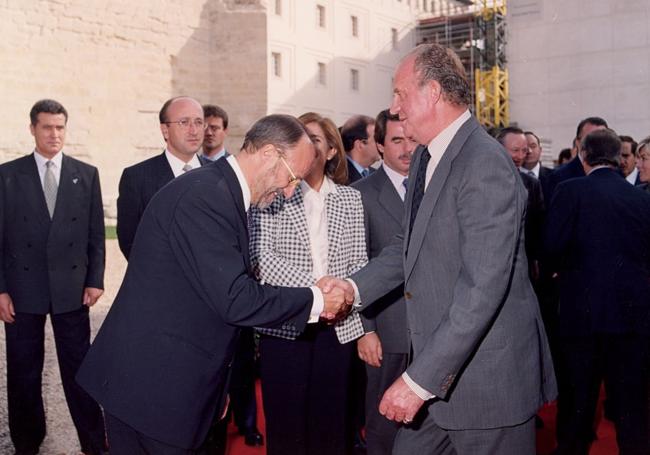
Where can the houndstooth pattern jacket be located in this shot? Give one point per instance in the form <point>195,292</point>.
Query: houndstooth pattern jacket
<point>281,255</point>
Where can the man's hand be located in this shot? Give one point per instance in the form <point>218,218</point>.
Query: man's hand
<point>7,312</point>
<point>336,305</point>
<point>369,348</point>
<point>91,295</point>
<point>400,403</point>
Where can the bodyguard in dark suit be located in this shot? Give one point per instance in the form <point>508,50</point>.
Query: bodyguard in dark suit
<point>357,134</point>
<point>597,236</point>
<point>573,168</point>
<point>216,130</point>
<point>53,254</point>
<point>182,126</point>
<point>160,363</point>
<point>385,345</point>
<point>532,163</point>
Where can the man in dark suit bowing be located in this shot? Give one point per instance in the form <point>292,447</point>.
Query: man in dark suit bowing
<point>182,126</point>
<point>480,367</point>
<point>385,345</point>
<point>53,254</point>
<point>597,238</point>
<point>160,363</point>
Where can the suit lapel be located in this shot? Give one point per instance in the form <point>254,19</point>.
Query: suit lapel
<point>68,180</point>
<point>336,221</point>
<point>388,197</point>
<point>31,184</point>
<point>432,193</point>
<point>296,213</point>
<point>237,196</point>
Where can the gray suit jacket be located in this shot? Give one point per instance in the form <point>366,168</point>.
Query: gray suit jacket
<point>281,253</point>
<point>383,215</point>
<point>477,335</point>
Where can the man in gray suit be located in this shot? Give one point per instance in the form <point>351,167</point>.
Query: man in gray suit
<point>481,366</point>
<point>385,345</point>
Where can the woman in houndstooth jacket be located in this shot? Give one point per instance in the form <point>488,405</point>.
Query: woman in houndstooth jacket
<point>318,231</point>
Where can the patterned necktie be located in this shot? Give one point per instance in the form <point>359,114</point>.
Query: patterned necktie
<point>187,167</point>
<point>418,188</point>
<point>405,184</point>
<point>365,173</point>
<point>50,187</point>
<point>532,174</point>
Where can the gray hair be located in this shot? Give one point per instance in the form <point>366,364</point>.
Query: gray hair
<point>434,62</point>
<point>279,130</point>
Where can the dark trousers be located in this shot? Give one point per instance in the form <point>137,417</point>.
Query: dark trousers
<point>381,432</point>
<point>125,440</point>
<point>25,353</point>
<point>622,362</point>
<point>305,385</point>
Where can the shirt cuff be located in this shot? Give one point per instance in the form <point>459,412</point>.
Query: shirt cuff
<point>419,391</point>
<point>357,296</point>
<point>317,306</point>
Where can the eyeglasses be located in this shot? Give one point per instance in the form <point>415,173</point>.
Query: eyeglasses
<point>185,123</point>
<point>294,181</point>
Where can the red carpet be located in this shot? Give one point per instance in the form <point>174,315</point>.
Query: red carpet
<point>605,445</point>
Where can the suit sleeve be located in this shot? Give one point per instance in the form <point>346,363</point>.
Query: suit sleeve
<point>535,220</point>
<point>129,211</point>
<point>359,255</point>
<point>205,236</point>
<point>490,204</point>
<point>559,225</point>
<point>96,237</point>
<point>3,280</point>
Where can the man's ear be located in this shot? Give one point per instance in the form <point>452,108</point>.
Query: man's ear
<point>164,129</point>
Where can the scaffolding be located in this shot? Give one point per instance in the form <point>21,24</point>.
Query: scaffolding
<point>479,39</point>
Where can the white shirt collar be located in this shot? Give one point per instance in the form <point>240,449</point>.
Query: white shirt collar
<point>632,176</point>
<point>177,164</point>
<point>326,188</point>
<point>245,191</point>
<point>41,160</point>
<point>396,179</point>
<point>534,170</point>
<point>439,144</point>
<point>215,157</point>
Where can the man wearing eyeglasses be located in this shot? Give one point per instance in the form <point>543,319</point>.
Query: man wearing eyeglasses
<point>182,126</point>
<point>161,361</point>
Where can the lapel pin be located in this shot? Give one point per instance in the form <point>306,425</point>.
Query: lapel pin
<point>75,180</point>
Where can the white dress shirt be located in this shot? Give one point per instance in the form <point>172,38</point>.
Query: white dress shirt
<point>439,144</point>
<point>177,164</point>
<point>535,170</point>
<point>56,168</point>
<point>632,176</point>
<point>316,215</point>
<point>397,180</point>
<point>319,302</point>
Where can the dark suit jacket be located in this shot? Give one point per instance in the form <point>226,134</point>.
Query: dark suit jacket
<point>46,263</point>
<point>353,174</point>
<point>474,324</point>
<point>544,172</point>
<point>570,170</point>
<point>597,237</point>
<point>138,184</point>
<point>383,214</point>
<point>534,216</point>
<point>161,359</point>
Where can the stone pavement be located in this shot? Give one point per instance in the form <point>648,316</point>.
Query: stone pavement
<point>61,436</point>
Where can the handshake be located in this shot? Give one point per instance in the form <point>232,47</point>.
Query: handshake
<point>338,296</point>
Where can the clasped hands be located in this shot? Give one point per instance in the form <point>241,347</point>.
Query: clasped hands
<point>338,297</point>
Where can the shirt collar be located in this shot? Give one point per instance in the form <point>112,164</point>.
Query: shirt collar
<point>534,170</point>
<point>41,160</point>
<point>327,187</point>
<point>177,164</point>
<point>221,154</point>
<point>632,176</point>
<point>356,165</point>
<point>396,179</point>
<point>439,144</point>
<point>245,191</point>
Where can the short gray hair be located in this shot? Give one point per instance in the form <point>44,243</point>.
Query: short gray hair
<point>279,130</point>
<point>434,62</point>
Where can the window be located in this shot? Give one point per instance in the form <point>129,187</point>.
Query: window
<point>322,73</point>
<point>394,37</point>
<point>277,64</point>
<point>354,80</point>
<point>320,16</point>
<point>354,21</point>
<point>278,7</point>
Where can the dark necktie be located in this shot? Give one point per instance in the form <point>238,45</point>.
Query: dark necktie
<point>418,187</point>
<point>405,184</point>
<point>365,173</point>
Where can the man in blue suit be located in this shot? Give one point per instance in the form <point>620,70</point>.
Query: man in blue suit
<point>597,238</point>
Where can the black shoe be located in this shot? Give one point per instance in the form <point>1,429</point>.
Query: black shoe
<point>253,438</point>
